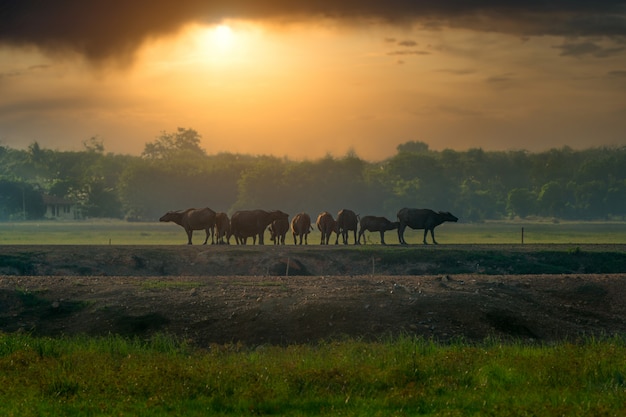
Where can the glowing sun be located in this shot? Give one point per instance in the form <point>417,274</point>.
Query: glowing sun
<point>222,36</point>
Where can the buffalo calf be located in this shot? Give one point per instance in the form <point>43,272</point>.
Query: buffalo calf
<point>376,224</point>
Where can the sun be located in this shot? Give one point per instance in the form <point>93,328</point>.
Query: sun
<point>222,36</point>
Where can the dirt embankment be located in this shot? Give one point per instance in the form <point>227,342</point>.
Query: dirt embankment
<point>280,308</point>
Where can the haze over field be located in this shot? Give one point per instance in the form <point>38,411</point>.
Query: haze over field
<point>307,78</point>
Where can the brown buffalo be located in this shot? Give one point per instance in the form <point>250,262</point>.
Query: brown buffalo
<point>252,223</point>
<point>301,226</point>
<point>422,219</point>
<point>193,219</point>
<point>376,224</point>
<point>347,220</point>
<point>326,225</point>
<point>278,230</point>
<point>222,228</point>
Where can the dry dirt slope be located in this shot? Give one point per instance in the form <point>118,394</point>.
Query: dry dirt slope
<point>55,298</point>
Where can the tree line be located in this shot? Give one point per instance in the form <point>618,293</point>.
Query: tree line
<point>175,172</point>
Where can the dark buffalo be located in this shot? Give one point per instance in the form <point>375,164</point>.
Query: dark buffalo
<point>422,219</point>
<point>347,220</point>
<point>326,225</point>
<point>278,230</point>
<point>222,228</point>
<point>301,226</point>
<point>376,224</point>
<point>193,219</point>
<point>252,223</point>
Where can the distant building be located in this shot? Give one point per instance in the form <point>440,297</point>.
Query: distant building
<point>60,208</point>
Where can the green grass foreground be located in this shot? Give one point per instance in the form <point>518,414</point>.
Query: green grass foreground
<point>117,376</point>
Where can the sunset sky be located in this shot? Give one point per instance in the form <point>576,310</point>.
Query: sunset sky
<point>308,78</point>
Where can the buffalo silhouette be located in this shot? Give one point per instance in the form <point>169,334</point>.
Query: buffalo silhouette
<point>301,226</point>
<point>376,224</point>
<point>347,220</point>
<point>252,223</point>
<point>278,230</point>
<point>222,228</point>
<point>193,219</point>
<point>326,225</point>
<point>422,219</point>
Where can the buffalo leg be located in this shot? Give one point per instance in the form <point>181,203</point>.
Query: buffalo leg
<point>189,236</point>
<point>432,234</point>
<point>401,234</point>
<point>382,237</point>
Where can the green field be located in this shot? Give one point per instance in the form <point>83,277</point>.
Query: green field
<point>115,232</point>
<point>406,377</point>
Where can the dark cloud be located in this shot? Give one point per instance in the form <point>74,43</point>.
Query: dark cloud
<point>457,71</point>
<point>579,49</point>
<point>10,74</point>
<point>408,52</point>
<point>101,29</point>
<point>617,73</point>
<point>21,72</point>
<point>407,43</point>
<point>499,79</point>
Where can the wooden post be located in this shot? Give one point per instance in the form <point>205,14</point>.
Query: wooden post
<point>522,235</point>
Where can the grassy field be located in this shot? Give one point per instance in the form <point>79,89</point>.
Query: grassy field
<point>105,232</point>
<point>115,376</point>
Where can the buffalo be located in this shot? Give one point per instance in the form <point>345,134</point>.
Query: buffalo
<point>278,230</point>
<point>252,223</point>
<point>301,226</point>
<point>326,225</point>
<point>222,228</point>
<point>376,224</point>
<point>422,219</point>
<point>193,219</point>
<point>347,220</point>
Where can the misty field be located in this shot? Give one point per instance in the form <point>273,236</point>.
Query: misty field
<point>117,232</point>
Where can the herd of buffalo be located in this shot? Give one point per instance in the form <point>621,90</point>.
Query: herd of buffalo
<point>246,224</point>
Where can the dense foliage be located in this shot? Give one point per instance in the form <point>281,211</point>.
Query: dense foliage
<point>174,172</point>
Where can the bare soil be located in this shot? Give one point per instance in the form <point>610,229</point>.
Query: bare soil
<point>270,308</point>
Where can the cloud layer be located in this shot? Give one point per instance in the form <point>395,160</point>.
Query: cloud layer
<point>104,29</point>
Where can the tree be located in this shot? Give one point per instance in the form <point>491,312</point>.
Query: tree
<point>552,199</point>
<point>413,146</point>
<point>169,145</point>
<point>20,201</point>
<point>520,202</point>
<point>94,144</point>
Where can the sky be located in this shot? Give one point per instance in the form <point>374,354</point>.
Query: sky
<point>305,79</point>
